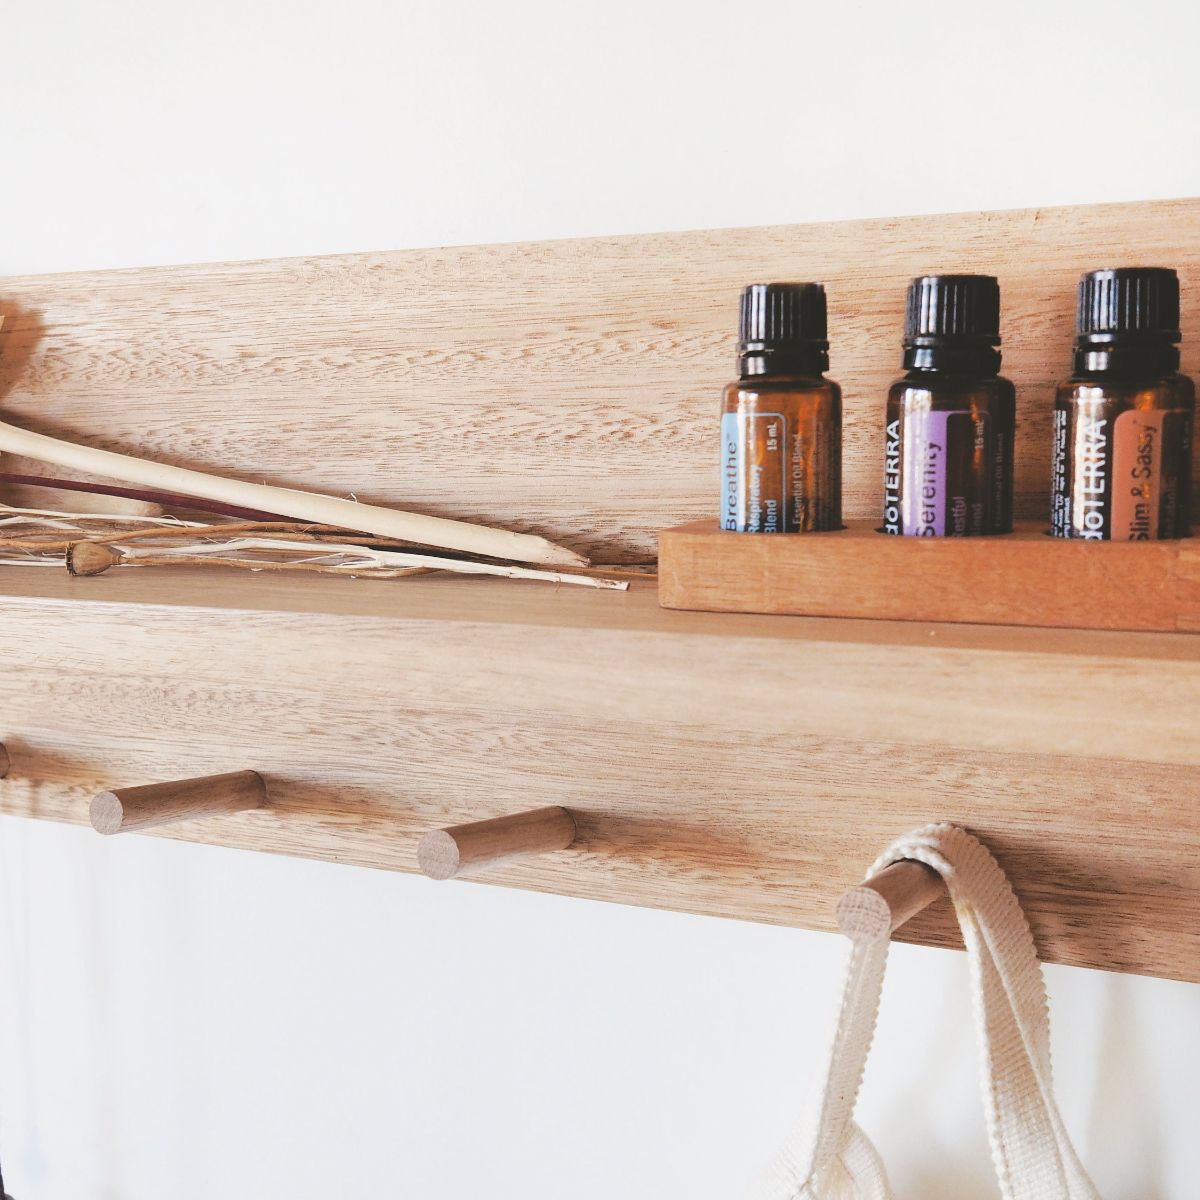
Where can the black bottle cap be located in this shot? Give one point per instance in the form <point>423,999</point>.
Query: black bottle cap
<point>953,309</point>
<point>1128,303</point>
<point>783,316</point>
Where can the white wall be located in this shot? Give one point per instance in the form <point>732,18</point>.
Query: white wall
<point>184,1022</point>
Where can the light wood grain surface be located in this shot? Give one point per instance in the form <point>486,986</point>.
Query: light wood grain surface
<point>744,766</point>
<point>739,766</point>
<point>1022,578</point>
<point>567,388</point>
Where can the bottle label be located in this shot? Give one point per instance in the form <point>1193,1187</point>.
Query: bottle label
<point>1124,480</point>
<point>1000,518</point>
<point>1145,496</point>
<point>892,487</point>
<point>943,490</point>
<point>1060,477</point>
<point>754,475</point>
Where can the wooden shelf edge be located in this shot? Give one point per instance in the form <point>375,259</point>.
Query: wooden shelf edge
<point>1025,578</point>
<point>735,766</point>
<point>585,872</point>
<point>505,603</point>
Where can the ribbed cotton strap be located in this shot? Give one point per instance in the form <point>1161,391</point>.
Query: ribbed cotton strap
<point>829,1158</point>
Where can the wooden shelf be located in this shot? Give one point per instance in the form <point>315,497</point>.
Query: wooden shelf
<point>735,765</point>
<point>566,387</point>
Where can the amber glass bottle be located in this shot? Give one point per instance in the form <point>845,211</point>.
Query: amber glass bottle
<point>1123,421</point>
<point>948,462</point>
<point>781,422</point>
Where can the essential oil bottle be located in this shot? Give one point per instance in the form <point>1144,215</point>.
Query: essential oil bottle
<point>1123,421</point>
<point>948,464</point>
<point>781,422</point>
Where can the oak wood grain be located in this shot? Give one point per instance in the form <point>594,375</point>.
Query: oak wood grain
<point>565,388</point>
<point>1022,578</point>
<point>740,766</point>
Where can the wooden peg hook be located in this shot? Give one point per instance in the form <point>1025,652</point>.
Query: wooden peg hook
<point>466,849</point>
<point>874,910</point>
<point>126,809</point>
<point>5,761</point>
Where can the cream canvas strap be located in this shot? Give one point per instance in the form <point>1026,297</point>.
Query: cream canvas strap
<point>830,1158</point>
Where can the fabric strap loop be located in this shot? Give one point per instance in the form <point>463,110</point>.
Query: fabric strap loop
<point>829,1158</point>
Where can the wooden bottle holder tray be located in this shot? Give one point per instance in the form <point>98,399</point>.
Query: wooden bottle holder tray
<point>1022,578</point>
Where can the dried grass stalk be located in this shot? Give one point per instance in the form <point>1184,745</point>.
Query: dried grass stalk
<point>94,558</point>
<point>137,500</point>
<point>287,502</point>
<point>40,523</point>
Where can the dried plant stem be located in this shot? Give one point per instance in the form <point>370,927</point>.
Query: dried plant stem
<point>144,495</point>
<point>195,560</point>
<point>281,530</point>
<point>46,529</point>
<point>176,534</point>
<point>91,558</point>
<point>11,515</point>
<point>307,506</point>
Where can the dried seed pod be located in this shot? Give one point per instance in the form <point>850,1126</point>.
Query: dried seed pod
<point>91,558</point>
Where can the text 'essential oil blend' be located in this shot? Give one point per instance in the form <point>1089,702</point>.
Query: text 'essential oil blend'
<point>781,423</point>
<point>1123,421</point>
<point>948,465</point>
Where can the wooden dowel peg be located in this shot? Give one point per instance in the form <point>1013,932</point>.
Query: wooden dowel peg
<point>874,910</point>
<point>5,761</point>
<point>126,809</point>
<point>465,849</point>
